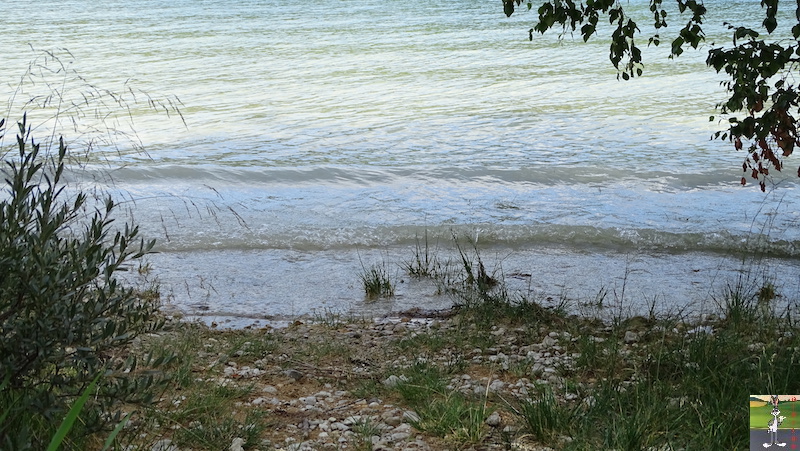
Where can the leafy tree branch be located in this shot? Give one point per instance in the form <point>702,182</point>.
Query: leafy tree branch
<point>760,64</point>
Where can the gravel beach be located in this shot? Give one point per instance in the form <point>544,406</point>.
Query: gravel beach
<point>330,384</point>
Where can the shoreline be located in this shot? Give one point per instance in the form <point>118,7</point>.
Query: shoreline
<point>267,287</point>
<point>223,322</point>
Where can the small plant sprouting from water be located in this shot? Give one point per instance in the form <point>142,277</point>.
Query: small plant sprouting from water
<point>748,300</point>
<point>475,273</point>
<point>376,281</point>
<point>425,262</point>
<point>766,293</point>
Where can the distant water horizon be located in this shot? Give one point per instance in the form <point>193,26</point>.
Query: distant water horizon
<point>314,140</point>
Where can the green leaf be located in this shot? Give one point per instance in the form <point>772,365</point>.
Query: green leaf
<point>116,431</point>
<point>508,7</point>
<point>3,386</point>
<point>770,23</point>
<point>72,415</point>
<point>587,30</point>
<point>676,46</point>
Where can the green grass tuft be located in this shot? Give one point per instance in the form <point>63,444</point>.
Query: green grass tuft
<point>377,283</point>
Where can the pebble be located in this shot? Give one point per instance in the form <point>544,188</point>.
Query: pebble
<point>393,421</point>
<point>399,436</point>
<point>392,381</point>
<point>237,444</point>
<point>164,445</point>
<point>494,420</point>
<point>549,342</point>
<point>631,337</point>
<point>294,374</point>
<point>496,386</point>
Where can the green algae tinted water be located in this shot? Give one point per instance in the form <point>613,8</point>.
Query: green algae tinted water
<point>318,135</point>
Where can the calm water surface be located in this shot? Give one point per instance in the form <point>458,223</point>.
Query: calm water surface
<point>320,138</point>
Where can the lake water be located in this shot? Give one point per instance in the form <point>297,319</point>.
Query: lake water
<point>320,139</point>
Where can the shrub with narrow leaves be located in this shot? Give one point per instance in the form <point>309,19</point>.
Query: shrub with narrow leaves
<point>65,316</point>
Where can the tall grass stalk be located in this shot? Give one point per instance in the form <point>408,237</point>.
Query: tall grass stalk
<point>72,416</point>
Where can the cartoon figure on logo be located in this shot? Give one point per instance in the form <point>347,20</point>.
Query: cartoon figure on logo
<point>773,424</point>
